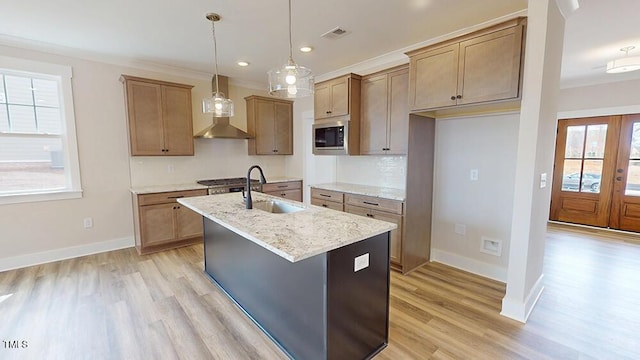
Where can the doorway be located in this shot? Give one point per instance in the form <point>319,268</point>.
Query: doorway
<point>596,178</point>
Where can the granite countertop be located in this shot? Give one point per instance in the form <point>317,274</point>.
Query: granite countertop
<point>166,188</point>
<point>280,179</point>
<point>376,191</point>
<point>294,236</point>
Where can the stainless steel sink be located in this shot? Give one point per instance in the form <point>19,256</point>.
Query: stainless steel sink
<point>276,207</point>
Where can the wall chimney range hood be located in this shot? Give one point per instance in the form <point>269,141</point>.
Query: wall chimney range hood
<point>221,129</point>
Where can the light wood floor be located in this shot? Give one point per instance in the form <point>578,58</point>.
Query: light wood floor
<point>119,305</point>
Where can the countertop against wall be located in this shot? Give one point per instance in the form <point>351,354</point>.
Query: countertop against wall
<point>149,189</point>
<point>376,191</point>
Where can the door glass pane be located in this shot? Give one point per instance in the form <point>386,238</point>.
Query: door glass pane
<point>571,175</point>
<point>596,139</point>
<point>635,141</point>
<point>591,176</point>
<point>633,179</point>
<point>575,142</point>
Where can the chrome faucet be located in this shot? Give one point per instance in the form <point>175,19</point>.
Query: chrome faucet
<point>247,199</point>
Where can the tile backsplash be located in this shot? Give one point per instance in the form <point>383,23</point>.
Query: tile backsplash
<point>385,171</point>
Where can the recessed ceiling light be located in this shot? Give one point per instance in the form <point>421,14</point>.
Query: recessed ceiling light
<point>242,63</point>
<point>306,49</point>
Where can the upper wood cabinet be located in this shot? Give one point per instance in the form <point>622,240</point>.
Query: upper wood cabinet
<point>270,123</point>
<point>337,97</point>
<point>484,66</point>
<point>159,116</point>
<point>385,112</point>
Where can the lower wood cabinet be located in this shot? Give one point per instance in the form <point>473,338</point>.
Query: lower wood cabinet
<point>291,190</point>
<point>370,206</point>
<point>162,223</point>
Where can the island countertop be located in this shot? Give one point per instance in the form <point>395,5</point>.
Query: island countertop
<point>293,236</point>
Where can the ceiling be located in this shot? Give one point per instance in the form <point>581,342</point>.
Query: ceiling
<point>176,34</point>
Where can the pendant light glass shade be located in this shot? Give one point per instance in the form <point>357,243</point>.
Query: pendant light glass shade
<point>291,80</point>
<point>217,104</point>
<point>624,64</point>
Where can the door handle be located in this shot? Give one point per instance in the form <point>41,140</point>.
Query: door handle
<point>619,178</point>
<point>620,171</point>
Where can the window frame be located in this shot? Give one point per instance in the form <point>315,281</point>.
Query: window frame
<point>63,74</point>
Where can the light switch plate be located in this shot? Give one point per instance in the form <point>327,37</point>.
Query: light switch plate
<point>543,180</point>
<point>473,175</point>
<point>361,262</point>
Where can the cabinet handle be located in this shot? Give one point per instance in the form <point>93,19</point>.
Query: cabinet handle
<point>453,98</point>
<point>283,194</point>
<point>459,97</point>
<point>370,215</point>
<point>324,205</point>
<point>325,195</point>
<point>370,203</point>
<point>175,197</point>
<point>328,112</point>
<point>283,186</point>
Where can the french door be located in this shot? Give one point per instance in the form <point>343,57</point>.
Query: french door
<point>596,179</point>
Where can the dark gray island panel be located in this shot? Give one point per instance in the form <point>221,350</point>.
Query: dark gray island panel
<point>316,308</point>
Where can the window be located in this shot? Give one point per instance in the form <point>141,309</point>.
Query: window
<point>38,151</point>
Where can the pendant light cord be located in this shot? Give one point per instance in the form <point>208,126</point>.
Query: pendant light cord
<point>215,52</point>
<point>290,43</point>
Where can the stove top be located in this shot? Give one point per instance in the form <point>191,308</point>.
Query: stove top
<point>221,186</point>
<point>226,182</point>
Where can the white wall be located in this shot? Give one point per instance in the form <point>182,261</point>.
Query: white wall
<point>486,143</point>
<point>385,171</point>
<point>603,99</point>
<point>45,231</point>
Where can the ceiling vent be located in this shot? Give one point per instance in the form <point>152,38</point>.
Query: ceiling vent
<point>335,33</point>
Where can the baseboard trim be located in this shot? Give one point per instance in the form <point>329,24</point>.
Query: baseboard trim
<point>521,311</point>
<point>43,257</point>
<point>471,265</point>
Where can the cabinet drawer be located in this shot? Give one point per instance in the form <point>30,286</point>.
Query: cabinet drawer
<point>328,195</point>
<point>327,204</point>
<point>396,235</point>
<point>168,197</point>
<point>291,194</point>
<point>371,202</point>
<point>270,187</point>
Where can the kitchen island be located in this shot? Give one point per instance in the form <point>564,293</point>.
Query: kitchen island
<point>315,280</point>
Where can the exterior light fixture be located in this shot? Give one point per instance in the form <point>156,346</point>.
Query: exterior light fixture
<point>217,104</point>
<point>291,80</point>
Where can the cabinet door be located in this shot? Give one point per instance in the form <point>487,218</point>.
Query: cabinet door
<point>373,128</point>
<point>322,101</point>
<point>144,105</point>
<point>188,222</point>
<point>434,78</point>
<point>295,194</point>
<point>157,224</point>
<point>490,66</point>
<point>284,128</point>
<point>265,125</point>
<point>327,204</point>
<point>178,122</point>
<point>394,238</point>
<point>339,97</point>
<point>398,126</point>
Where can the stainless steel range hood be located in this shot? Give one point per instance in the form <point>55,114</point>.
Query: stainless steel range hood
<point>221,129</point>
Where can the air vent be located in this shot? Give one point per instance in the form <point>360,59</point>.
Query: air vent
<point>335,33</point>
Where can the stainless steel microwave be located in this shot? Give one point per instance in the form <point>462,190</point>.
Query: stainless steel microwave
<point>331,138</point>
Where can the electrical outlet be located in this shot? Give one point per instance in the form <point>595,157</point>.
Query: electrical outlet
<point>491,246</point>
<point>543,180</point>
<point>170,168</point>
<point>361,262</point>
<point>473,175</point>
<point>87,222</point>
<point>460,229</point>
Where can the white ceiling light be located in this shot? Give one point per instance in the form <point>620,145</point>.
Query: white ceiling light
<point>242,63</point>
<point>217,104</point>
<point>306,49</point>
<point>291,80</point>
<point>624,64</point>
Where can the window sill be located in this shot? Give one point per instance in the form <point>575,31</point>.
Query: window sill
<point>36,197</point>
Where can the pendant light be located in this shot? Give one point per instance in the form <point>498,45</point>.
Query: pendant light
<point>624,64</point>
<point>217,104</point>
<point>291,80</point>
